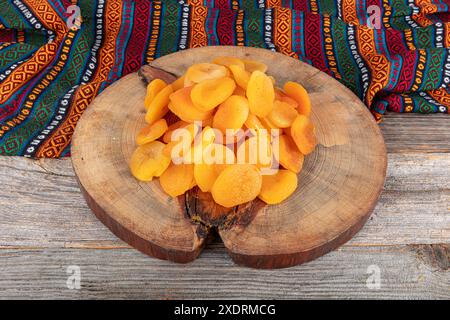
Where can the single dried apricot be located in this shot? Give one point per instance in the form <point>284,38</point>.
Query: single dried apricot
<point>237,184</point>
<point>205,71</point>
<point>254,123</point>
<point>168,135</point>
<point>228,61</point>
<point>282,115</point>
<point>240,75</point>
<point>158,106</point>
<point>239,92</point>
<point>181,104</point>
<point>178,84</point>
<point>205,175</point>
<point>302,132</point>
<point>181,142</point>
<point>256,150</point>
<point>252,65</point>
<point>151,132</point>
<point>177,179</point>
<point>288,154</point>
<point>278,187</point>
<point>300,95</point>
<point>210,93</point>
<point>231,114</point>
<point>260,94</point>
<point>153,88</point>
<point>148,161</point>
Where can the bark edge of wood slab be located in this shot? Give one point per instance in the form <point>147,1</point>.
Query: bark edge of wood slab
<point>338,186</point>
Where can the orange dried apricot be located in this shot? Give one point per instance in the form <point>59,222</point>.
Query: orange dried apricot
<point>252,65</point>
<point>231,114</point>
<point>256,150</point>
<point>158,106</point>
<point>237,184</point>
<point>181,104</point>
<point>239,92</point>
<point>151,132</point>
<point>240,75</point>
<point>178,84</point>
<point>302,132</point>
<point>210,93</point>
<point>153,88</point>
<point>288,154</point>
<point>300,95</point>
<point>282,115</point>
<point>228,61</point>
<point>204,71</point>
<point>278,187</point>
<point>148,161</point>
<point>167,137</point>
<point>177,179</point>
<point>253,122</point>
<point>260,94</point>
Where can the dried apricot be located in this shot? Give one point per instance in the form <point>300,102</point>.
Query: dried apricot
<point>240,75</point>
<point>237,184</point>
<point>228,61</point>
<point>253,122</point>
<point>300,95</point>
<point>205,71</point>
<point>278,187</point>
<point>260,94</point>
<point>148,161</point>
<point>231,114</point>
<point>151,132</point>
<point>153,88</point>
<point>288,154</point>
<point>158,106</point>
<point>210,93</point>
<point>252,65</point>
<point>256,150</point>
<point>181,104</point>
<point>178,84</point>
<point>177,179</point>
<point>239,92</point>
<point>302,132</point>
<point>168,135</point>
<point>282,115</point>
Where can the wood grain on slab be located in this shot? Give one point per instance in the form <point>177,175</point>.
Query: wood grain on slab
<point>339,186</point>
<point>45,226</point>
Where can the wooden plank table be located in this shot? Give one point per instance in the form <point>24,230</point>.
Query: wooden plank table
<point>45,227</point>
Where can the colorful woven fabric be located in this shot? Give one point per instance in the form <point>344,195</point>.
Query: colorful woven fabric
<point>50,73</point>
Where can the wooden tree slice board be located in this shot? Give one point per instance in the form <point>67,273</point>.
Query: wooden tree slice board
<point>338,186</point>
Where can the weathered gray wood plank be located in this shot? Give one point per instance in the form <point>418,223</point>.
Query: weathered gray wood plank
<point>123,273</point>
<point>42,205</point>
<point>416,132</point>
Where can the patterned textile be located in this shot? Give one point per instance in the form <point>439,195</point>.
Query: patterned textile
<point>50,73</point>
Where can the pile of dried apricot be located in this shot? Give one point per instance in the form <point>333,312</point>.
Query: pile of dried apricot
<point>227,128</point>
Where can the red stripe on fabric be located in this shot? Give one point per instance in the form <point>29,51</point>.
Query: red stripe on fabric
<point>314,41</point>
<point>225,27</point>
<point>139,35</point>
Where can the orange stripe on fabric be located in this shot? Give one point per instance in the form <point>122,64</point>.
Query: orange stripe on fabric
<point>198,34</point>
<point>274,3</point>
<point>283,31</point>
<point>378,64</point>
<point>48,17</point>
<point>60,139</point>
<point>349,14</point>
<point>447,35</point>
<point>20,76</point>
